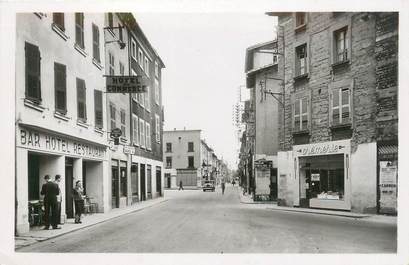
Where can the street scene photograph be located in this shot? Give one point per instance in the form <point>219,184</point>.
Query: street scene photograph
<point>206,132</point>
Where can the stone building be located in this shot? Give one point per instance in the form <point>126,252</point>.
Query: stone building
<point>339,137</point>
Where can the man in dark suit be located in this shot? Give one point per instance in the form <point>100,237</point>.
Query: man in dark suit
<point>50,191</point>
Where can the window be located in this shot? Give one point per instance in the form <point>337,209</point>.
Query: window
<point>157,128</point>
<point>157,91</point>
<point>301,64</point>
<point>60,86</point>
<point>121,69</point>
<point>99,120</point>
<point>341,45</point>
<point>135,96</point>
<point>168,162</point>
<point>133,49</point>
<point>190,147</point>
<point>149,179</point>
<point>81,100</point>
<point>111,64</point>
<point>95,43</point>
<point>110,20</point>
<point>146,66</point>
<point>141,99</point>
<point>301,114</point>
<point>124,179</point>
<point>158,179</point>
<point>148,98</point>
<point>112,115</point>
<point>148,136</point>
<point>156,69</point>
<point>142,139</point>
<point>58,20</point>
<point>123,123</point>
<point>168,147</point>
<point>121,37</point>
<point>300,19</point>
<point>340,106</point>
<point>135,129</point>
<point>33,80</point>
<point>79,29</point>
<point>274,59</point>
<point>140,58</point>
<point>191,161</point>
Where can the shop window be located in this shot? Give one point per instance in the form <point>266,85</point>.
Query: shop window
<point>33,73</point>
<point>190,147</point>
<point>168,162</point>
<point>301,63</point>
<point>135,129</point>
<point>58,20</point>
<point>81,100</point>
<point>99,120</point>
<point>60,86</point>
<point>168,147</point>
<point>95,43</point>
<point>79,29</point>
<point>123,123</point>
<point>301,114</point>
<point>340,101</point>
<point>191,162</point>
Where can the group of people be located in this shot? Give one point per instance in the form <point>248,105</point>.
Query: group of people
<point>52,201</point>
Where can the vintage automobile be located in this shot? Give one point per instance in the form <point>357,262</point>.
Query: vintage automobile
<point>208,185</point>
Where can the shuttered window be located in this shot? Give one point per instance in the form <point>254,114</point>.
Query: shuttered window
<point>58,19</point>
<point>142,139</point>
<point>301,114</point>
<point>157,128</point>
<point>341,106</point>
<point>60,86</point>
<point>120,33</point>
<point>135,124</point>
<point>79,29</point>
<point>81,100</point>
<point>99,120</point>
<point>112,116</point>
<point>33,80</point>
<point>95,43</point>
<point>123,123</point>
<point>156,91</point>
<point>148,136</point>
<point>111,64</point>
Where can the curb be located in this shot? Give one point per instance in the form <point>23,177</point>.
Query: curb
<point>90,225</point>
<point>321,213</point>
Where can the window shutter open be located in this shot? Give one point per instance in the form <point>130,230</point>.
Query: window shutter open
<point>60,88</point>
<point>99,121</point>
<point>33,72</point>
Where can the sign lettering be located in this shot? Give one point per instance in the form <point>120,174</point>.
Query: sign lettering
<point>321,149</point>
<point>125,84</point>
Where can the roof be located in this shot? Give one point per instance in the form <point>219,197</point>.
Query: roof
<point>278,14</point>
<point>261,44</point>
<point>250,53</point>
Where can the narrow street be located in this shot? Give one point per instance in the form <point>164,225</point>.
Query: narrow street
<point>193,221</point>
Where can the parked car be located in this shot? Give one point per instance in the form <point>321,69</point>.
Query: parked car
<point>208,185</point>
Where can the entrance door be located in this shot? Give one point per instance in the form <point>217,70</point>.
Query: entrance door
<point>115,187</point>
<point>168,180</point>
<point>273,182</point>
<point>143,183</point>
<point>69,185</point>
<point>158,181</point>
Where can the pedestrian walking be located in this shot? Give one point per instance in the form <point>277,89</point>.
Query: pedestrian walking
<point>233,182</point>
<point>77,194</point>
<point>223,187</point>
<point>50,191</point>
<point>59,198</point>
<point>180,185</point>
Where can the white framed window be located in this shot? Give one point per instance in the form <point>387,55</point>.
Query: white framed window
<point>148,98</point>
<point>135,131</point>
<point>134,95</point>
<point>301,114</point>
<point>156,69</point>
<point>142,139</point>
<point>123,123</point>
<point>340,106</point>
<point>146,66</point>
<point>156,91</point>
<point>301,63</point>
<point>157,128</point>
<point>111,64</point>
<point>133,49</point>
<point>140,57</point>
<point>148,136</point>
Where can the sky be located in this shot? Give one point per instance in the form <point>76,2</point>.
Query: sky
<point>204,55</point>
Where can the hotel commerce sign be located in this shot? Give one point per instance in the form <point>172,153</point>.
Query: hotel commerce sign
<point>327,148</point>
<point>53,143</point>
<point>125,84</point>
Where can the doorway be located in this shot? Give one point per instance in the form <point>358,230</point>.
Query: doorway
<point>115,187</point>
<point>273,183</point>
<point>143,183</point>
<point>69,185</point>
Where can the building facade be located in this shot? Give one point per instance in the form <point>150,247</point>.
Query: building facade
<point>338,135</point>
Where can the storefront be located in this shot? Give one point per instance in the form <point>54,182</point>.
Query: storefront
<point>322,171</point>
<point>42,152</point>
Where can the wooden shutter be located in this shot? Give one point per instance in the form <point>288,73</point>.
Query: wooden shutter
<point>95,43</point>
<point>60,85</point>
<point>79,29</point>
<point>33,72</point>
<point>81,99</point>
<point>123,123</point>
<point>58,19</point>
<point>99,121</point>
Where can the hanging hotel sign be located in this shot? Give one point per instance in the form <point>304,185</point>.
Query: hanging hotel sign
<point>125,84</point>
<point>58,144</point>
<point>327,148</point>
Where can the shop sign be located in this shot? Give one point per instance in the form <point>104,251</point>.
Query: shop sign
<point>129,150</point>
<point>53,143</point>
<point>387,184</point>
<point>315,177</point>
<point>125,84</point>
<point>263,164</point>
<point>321,149</point>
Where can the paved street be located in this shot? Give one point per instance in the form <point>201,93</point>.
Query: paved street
<point>209,222</point>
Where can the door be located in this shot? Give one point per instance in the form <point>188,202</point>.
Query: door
<point>158,181</point>
<point>273,183</point>
<point>143,183</point>
<point>69,186</point>
<point>115,187</point>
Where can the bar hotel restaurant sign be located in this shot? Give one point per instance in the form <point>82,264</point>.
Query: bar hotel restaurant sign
<point>125,84</point>
<point>28,138</point>
<point>327,148</point>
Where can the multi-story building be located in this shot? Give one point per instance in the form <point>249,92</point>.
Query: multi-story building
<point>265,87</point>
<point>60,126</point>
<point>338,138</point>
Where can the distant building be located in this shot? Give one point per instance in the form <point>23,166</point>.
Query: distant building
<point>339,139</point>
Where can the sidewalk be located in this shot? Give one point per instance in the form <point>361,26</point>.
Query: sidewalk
<point>246,199</point>
<point>37,234</point>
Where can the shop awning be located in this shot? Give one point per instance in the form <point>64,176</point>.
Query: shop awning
<point>387,149</point>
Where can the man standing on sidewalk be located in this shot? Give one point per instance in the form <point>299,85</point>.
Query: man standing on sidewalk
<point>50,192</point>
<point>59,198</point>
